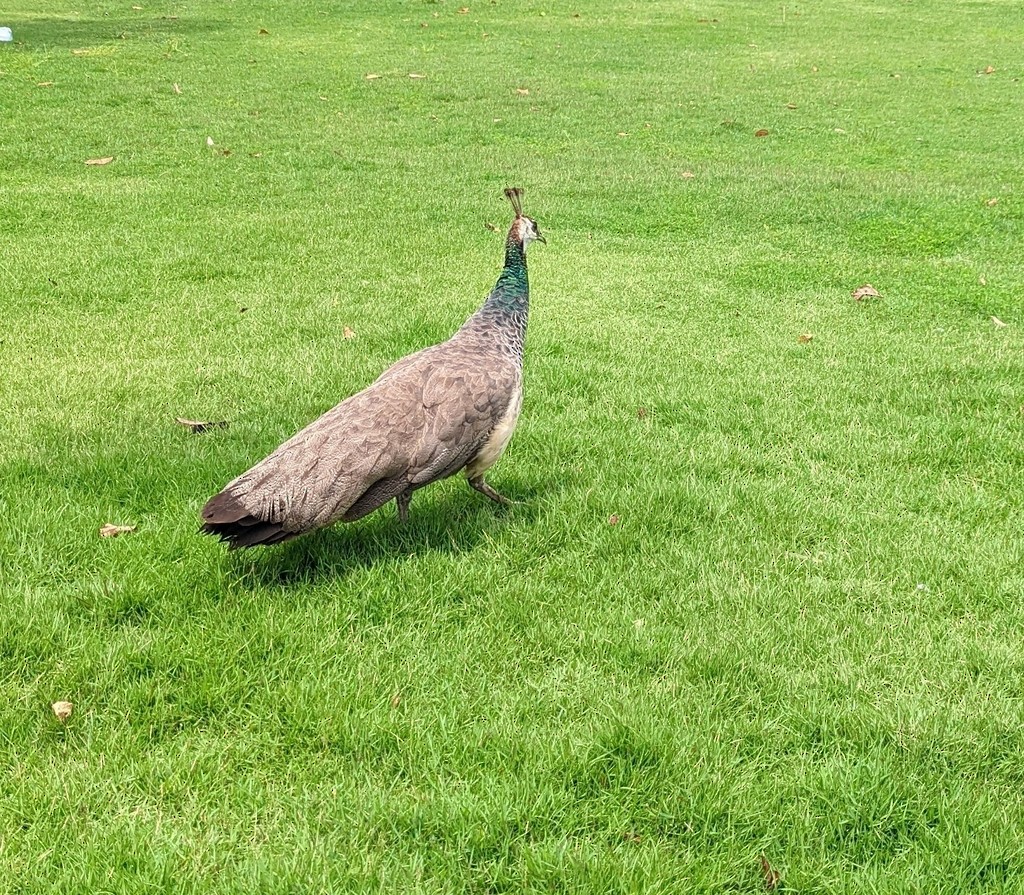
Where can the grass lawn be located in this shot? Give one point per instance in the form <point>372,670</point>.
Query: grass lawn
<point>762,593</point>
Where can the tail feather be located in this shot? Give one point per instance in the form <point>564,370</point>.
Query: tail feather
<point>226,517</point>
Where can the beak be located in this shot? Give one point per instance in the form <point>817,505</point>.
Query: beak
<point>541,239</point>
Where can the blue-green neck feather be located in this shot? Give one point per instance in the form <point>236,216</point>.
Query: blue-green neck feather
<point>512,291</point>
<point>504,313</point>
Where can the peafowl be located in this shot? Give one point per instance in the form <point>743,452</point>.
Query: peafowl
<point>449,407</point>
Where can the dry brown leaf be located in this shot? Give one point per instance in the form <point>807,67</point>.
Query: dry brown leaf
<point>992,202</point>
<point>263,31</point>
<point>45,84</point>
<point>687,174</point>
<point>866,291</point>
<point>772,877</point>
<point>988,70</point>
<point>372,77</point>
<point>613,519</point>
<point>761,133</point>
<point>348,333</point>
<point>522,91</point>
<point>997,321</point>
<point>112,531</point>
<point>62,710</point>
<point>197,426</point>
<point>396,698</point>
<point>100,161</point>
<point>416,76</point>
<point>804,338</point>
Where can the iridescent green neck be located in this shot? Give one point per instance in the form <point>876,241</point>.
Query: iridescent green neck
<point>512,291</point>
<point>502,317</point>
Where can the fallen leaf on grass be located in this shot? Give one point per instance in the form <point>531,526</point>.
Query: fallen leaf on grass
<point>790,105</point>
<point>112,531</point>
<point>62,710</point>
<point>372,77</point>
<point>348,333</point>
<point>100,161</point>
<point>866,291</point>
<point>804,338</point>
<point>416,76</point>
<point>176,89</point>
<point>396,698</point>
<point>613,519</point>
<point>209,142</point>
<point>687,174</point>
<point>463,10</point>
<point>772,877</point>
<point>761,133</point>
<point>522,91</point>
<point>197,426</point>
<point>997,321</point>
<point>492,227</point>
<point>982,280</point>
<point>991,203</point>
<point>641,413</point>
<point>263,31</point>
<point>987,70</point>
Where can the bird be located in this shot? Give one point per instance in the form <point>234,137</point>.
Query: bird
<point>446,408</point>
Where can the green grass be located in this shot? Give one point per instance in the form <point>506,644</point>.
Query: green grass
<point>803,637</point>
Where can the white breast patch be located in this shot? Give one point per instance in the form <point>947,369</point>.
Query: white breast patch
<point>498,439</point>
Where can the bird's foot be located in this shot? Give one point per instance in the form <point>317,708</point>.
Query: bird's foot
<point>480,485</point>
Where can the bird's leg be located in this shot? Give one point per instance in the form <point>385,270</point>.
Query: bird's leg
<point>403,506</point>
<point>480,485</point>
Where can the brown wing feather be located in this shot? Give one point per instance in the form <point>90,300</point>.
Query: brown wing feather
<point>423,419</point>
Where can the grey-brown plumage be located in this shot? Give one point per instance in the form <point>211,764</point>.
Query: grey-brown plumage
<point>449,407</point>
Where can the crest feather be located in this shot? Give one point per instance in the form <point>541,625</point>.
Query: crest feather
<point>514,195</point>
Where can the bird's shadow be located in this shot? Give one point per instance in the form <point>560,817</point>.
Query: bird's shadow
<point>445,522</point>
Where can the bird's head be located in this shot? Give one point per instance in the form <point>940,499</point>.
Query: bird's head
<point>524,230</point>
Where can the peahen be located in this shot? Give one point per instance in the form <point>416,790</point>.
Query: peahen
<point>448,407</point>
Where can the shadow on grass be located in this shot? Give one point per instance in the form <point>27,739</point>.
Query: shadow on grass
<point>60,32</point>
<point>449,524</point>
